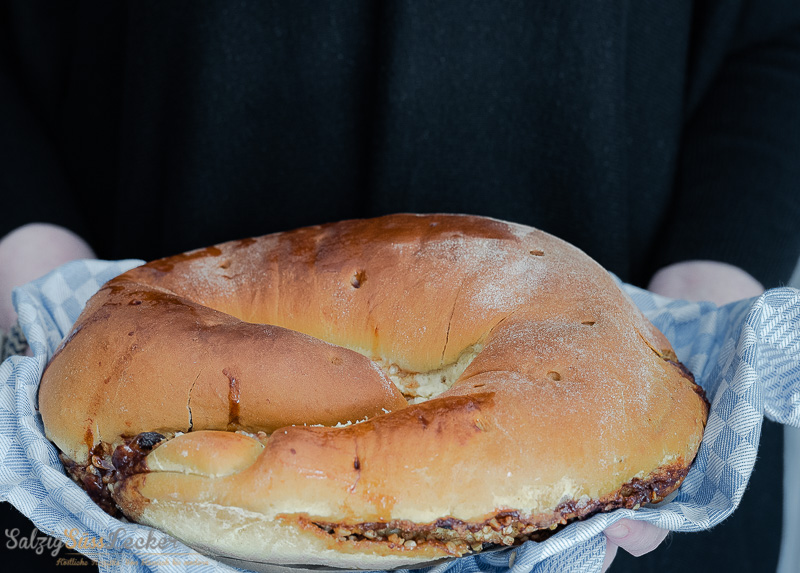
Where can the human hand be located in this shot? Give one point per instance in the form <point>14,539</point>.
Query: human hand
<point>635,537</point>
<point>712,281</point>
<point>29,252</point>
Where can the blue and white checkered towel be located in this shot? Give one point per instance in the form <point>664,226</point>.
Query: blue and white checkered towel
<point>746,355</point>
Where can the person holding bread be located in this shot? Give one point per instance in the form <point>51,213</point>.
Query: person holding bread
<point>663,140</point>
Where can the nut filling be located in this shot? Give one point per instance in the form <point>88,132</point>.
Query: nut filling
<point>506,528</point>
<point>456,537</point>
<point>108,464</point>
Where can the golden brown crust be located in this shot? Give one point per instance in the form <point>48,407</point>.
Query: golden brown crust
<point>194,368</point>
<point>564,394</point>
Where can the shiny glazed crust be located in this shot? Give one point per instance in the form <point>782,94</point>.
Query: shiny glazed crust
<point>268,365</point>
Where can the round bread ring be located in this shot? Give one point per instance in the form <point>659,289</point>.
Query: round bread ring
<point>267,367</point>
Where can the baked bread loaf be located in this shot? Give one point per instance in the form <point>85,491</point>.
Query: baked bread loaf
<point>370,393</point>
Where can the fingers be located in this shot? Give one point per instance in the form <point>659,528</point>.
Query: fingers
<point>635,537</point>
<point>29,252</point>
<point>719,283</point>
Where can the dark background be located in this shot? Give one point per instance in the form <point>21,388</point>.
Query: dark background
<point>643,132</point>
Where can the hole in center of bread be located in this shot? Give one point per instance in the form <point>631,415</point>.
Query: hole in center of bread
<point>418,387</point>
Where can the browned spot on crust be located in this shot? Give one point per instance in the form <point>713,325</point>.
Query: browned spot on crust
<point>234,400</point>
<point>167,264</point>
<point>88,436</point>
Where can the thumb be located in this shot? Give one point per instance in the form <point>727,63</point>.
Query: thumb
<point>635,537</point>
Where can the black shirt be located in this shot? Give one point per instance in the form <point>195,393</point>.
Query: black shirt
<point>643,132</point>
